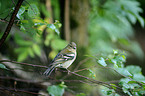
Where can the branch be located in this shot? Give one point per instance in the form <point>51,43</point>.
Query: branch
<point>3,20</point>
<point>23,63</point>
<point>19,90</point>
<point>21,73</point>
<point>9,26</point>
<point>123,75</point>
<point>40,82</point>
<point>80,63</point>
<point>88,80</point>
<point>118,89</point>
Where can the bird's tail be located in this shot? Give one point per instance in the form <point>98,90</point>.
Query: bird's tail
<point>49,71</point>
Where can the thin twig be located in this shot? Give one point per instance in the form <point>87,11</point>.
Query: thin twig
<point>31,81</point>
<point>80,63</point>
<point>123,75</point>
<point>118,89</point>
<point>19,90</point>
<point>23,63</point>
<point>13,2</point>
<point>3,20</point>
<point>8,13</point>
<point>30,7</point>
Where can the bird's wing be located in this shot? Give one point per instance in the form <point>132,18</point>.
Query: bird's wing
<point>57,57</point>
<point>61,58</point>
<point>68,56</point>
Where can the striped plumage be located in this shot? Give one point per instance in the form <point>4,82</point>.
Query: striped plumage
<point>63,59</point>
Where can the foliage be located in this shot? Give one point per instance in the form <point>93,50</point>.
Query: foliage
<point>3,66</point>
<point>32,45</point>
<point>110,26</point>
<point>30,42</point>
<point>132,82</point>
<point>56,90</point>
<point>81,94</point>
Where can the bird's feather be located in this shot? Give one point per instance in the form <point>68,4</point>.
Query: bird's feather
<point>49,70</point>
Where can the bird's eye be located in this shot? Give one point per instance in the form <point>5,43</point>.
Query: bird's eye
<point>74,47</point>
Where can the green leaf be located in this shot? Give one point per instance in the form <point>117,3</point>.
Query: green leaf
<point>53,27</point>
<point>31,52</point>
<point>139,77</point>
<point>49,37</point>
<point>115,52</point>
<point>132,18</point>
<point>131,82</point>
<point>92,74</point>
<point>36,49</point>
<point>58,44</point>
<point>57,23</point>
<point>20,12</point>
<point>22,27</point>
<point>57,31</point>
<point>33,11</point>
<point>56,90</point>
<point>114,61</point>
<point>136,49</point>
<point>115,65</point>
<point>141,20</point>
<point>126,85</point>
<point>124,41</point>
<point>23,55</point>
<point>109,92</point>
<point>3,66</point>
<point>24,21</point>
<point>102,62</point>
<point>113,86</point>
<point>23,42</point>
<point>81,94</point>
<point>123,71</point>
<point>133,69</point>
<point>62,85</point>
<point>124,80</point>
<point>132,10</point>
<point>118,61</point>
<point>39,24</point>
<point>125,90</point>
<point>141,93</point>
<point>18,50</point>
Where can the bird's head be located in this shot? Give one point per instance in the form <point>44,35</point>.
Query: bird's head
<point>71,46</point>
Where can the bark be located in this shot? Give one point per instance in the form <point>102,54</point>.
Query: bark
<point>79,12</point>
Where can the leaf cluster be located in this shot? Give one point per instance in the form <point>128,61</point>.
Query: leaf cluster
<point>30,39</point>
<point>110,26</point>
<point>132,82</point>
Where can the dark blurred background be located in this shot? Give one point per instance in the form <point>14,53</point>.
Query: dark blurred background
<point>97,27</point>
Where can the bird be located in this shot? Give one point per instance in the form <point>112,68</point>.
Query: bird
<point>63,59</point>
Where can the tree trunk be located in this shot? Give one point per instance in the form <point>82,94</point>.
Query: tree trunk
<point>79,11</point>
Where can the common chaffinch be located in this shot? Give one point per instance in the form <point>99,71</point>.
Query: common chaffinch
<point>63,59</point>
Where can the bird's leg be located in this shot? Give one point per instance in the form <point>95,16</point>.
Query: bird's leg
<point>68,71</point>
<point>56,69</point>
<point>63,70</point>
